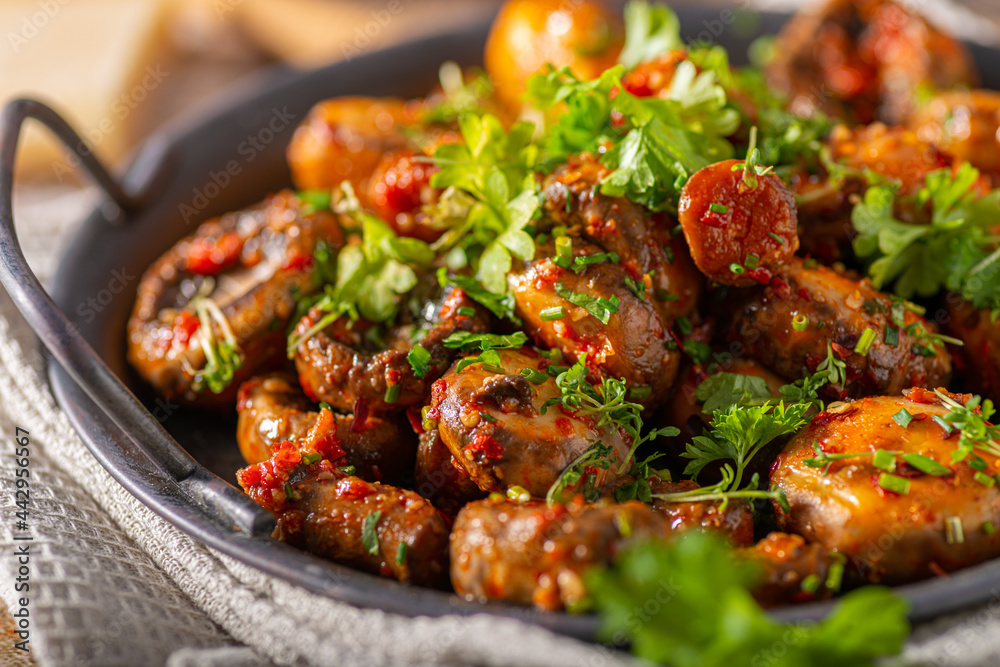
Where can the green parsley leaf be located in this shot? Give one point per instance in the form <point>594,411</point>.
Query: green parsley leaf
<point>720,391</point>
<point>597,306</point>
<point>710,619</point>
<point>650,30</point>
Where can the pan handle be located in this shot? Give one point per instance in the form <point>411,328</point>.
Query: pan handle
<point>75,354</point>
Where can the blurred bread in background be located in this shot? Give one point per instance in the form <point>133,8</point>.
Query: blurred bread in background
<point>118,68</point>
<point>96,61</point>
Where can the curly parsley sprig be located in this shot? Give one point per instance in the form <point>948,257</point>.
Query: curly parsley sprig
<point>955,251</point>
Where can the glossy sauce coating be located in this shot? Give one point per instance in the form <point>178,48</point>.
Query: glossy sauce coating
<point>791,570</point>
<point>535,553</point>
<point>647,244</point>
<point>273,409</point>
<point>252,262</point>
<point>441,478</point>
<point>838,311</point>
<point>327,511</point>
<point>514,444</point>
<point>337,365</point>
<point>761,222</point>
<point>887,537</point>
<point>635,344</point>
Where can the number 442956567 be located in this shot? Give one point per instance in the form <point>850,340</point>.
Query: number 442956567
<point>22,460</point>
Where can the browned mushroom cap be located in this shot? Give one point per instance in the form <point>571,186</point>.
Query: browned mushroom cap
<point>346,368</point>
<point>250,265</point>
<point>922,516</point>
<point>495,423</point>
<point>273,409</point>
<point>864,60</point>
<point>809,312</point>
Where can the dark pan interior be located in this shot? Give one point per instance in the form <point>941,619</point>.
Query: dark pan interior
<point>229,157</point>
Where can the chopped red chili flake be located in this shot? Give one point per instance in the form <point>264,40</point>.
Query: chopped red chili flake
<point>207,257</point>
<point>484,445</point>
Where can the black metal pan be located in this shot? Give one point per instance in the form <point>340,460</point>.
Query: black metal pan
<point>182,464</point>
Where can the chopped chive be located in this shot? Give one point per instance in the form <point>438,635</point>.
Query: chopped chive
<point>988,527</point>
<point>401,553</point>
<point>564,252</point>
<point>810,263</point>
<point>736,268</point>
<point>751,261</point>
<point>903,418</point>
<point>555,370</point>
<point>984,479</point>
<point>810,584</point>
<point>347,470</point>
<point>392,393</point>
<point>684,325</point>
<point>621,522</point>
<point>776,238</point>
<point>718,208</point>
<point>485,416</point>
<point>467,311</point>
<point>835,574</point>
<point>311,458</point>
<point>637,286</point>
<point>891,336</point>
<point>581,263</point>
<point>518,494</point>
<point>289,491</point>
<point>800,322</point>
<point>641,392</point>
<point>666,295</point>
<point>894,483</point>
<point>554,313</point>
<point>926,465</point>
<point>953,532</point>
<point>533,376</point>
<point>597,306</point>
<point>943,423</point>
<point>369,536</point>
<point>669,252</point>
<point>325,406</point>
<point>898,314</point>
<point>419,359</point>
<point>868,337</point>
<point>977,463</point>
<point>883,460</point>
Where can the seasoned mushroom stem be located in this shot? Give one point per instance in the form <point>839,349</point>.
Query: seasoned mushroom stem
<point>368,526</point>
<point>907,515</point>
<point>241,272</point>
<point>806,314</point>
<point>535,553</point>
<point>738,234</point>
<point>338,366</point>
<point>494,426</point>
<point>273,409</point>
